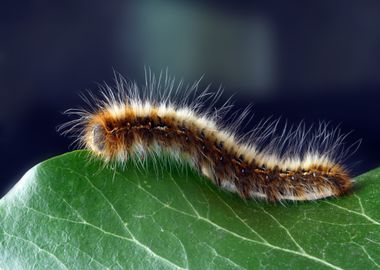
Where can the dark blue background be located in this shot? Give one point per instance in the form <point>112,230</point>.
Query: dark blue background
<point>300,60</point>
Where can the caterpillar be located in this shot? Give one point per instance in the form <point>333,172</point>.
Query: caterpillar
<point>129,121</point>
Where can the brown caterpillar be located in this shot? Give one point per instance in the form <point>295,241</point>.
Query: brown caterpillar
<point>297,164</point>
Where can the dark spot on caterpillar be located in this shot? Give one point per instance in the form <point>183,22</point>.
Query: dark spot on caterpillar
<point>219,145</point>
<point>99,137</point>
<point>160,122</point>
<point>145,121</point>
<point>108,126</point>
<point>276,169</point>
<point>125,123</point>
<point>202,135</point>
<point>244,171</point>
<point>183,129</point>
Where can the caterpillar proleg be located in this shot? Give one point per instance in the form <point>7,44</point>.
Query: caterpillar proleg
<point>128,121</point>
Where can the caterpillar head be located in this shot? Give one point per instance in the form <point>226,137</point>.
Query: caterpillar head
<point>108,139</point>
<point>98,138</point>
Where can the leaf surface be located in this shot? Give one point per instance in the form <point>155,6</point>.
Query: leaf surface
<point>70,212</point>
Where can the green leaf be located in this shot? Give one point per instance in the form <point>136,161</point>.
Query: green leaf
<point>70,212</point>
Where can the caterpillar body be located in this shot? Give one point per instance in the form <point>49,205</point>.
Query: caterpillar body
<point>129,121</point>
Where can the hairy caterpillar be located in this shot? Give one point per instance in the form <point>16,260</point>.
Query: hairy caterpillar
<point>297,164</point>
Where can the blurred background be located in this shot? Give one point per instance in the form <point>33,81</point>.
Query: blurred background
<point>309,61</point>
